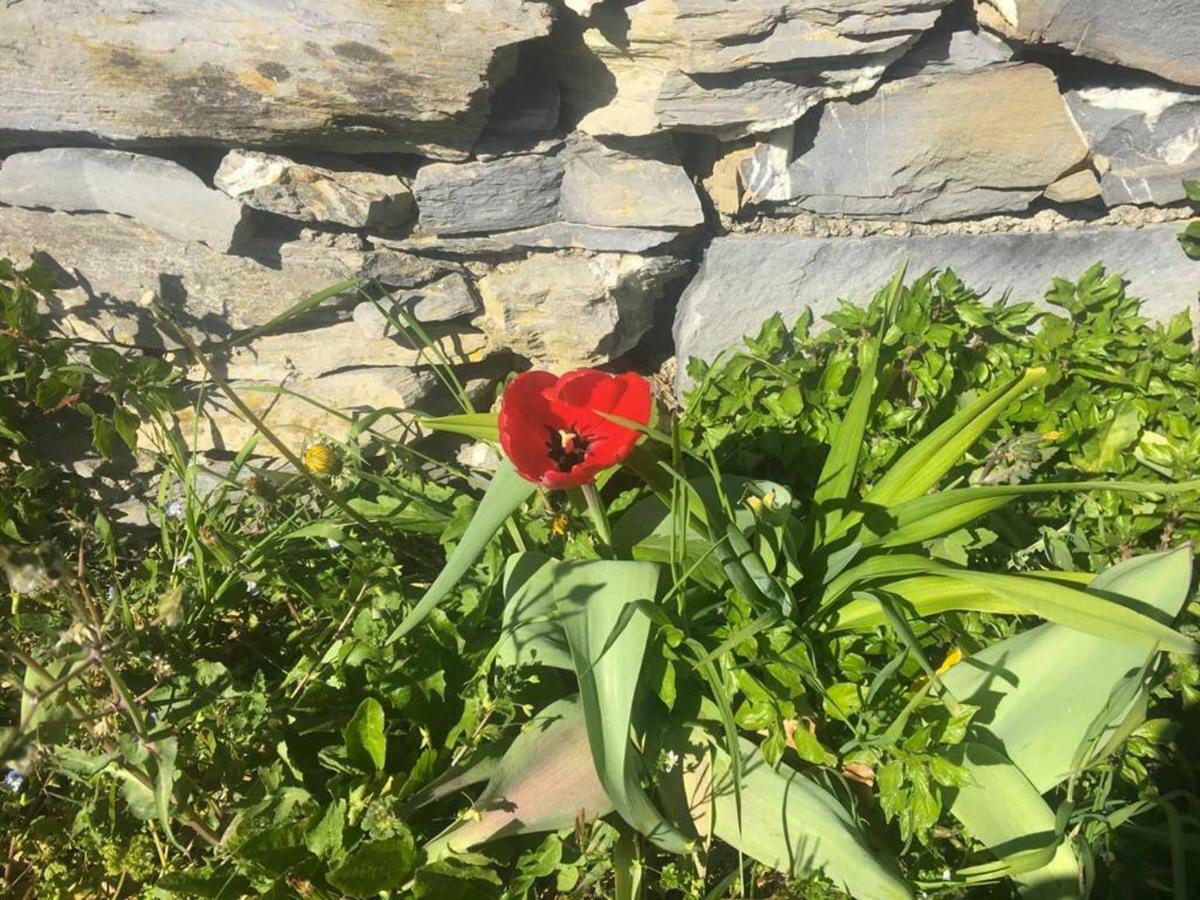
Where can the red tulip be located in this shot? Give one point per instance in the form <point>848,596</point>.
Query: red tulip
<point>551,431</point>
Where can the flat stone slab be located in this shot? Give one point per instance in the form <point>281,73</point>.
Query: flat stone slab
<point>411,76</point>
<point>928,148</point>
<point>276,184</point>
<point>157,192</point>
<point>745,279</point>
<point>1159,36</point>
<point>1145,139</point>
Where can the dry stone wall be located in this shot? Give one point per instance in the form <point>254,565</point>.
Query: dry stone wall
<point>549,181</point>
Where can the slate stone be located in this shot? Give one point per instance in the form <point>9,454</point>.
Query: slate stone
<point>745,279</point>
<point>444,300</point>
<point>1145,138</point>
<point>1159,36</point>
<point>157,192</point>
<point>552,236</point>
<point>108,262</point>
<point>929,148</point>
<point>413,76</point>
<point>565,311</point>
<point>729,69</point>
<point>278,185</point>
<point>498,195</point>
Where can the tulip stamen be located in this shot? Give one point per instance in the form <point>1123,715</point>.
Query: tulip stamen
<point>567,449</point>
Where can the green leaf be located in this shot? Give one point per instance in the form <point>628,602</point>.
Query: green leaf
<point>924,465</point>
<point>126,424</point>
<point>366,745</point>
<point>545,781</point>
<point>796,827</point>
<point>376,866</point>
<point>1004,811</point>
<point>934,515</point>
<point>532,632</point>
<point>165,750</point>
<point>104,436</point>
<point>837,475</point>
<point>481,426</point>
<point>1121,430</point>
<point>1043,692</point>
<point>504,496</point>
<point>596,601</point>
<point>324,838</point>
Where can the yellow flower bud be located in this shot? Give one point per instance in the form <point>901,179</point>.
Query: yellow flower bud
<point>953,658</point>
<point>320,459</point>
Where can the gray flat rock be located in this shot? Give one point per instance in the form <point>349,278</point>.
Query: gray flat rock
<point>1159,36</point>
<point>929,148</point>
<point>278,185</point>
<point>497,195</point>
<point>745,279</point>
<point>157,192</point>
<point>412,76</point>
<point>1145,139</point>
<point>444,300</point>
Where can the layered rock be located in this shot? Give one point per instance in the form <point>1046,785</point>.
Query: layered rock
<point>585,194</point>
<point>574,310</point>
<point>107,263</point>
<point>729,69</point>
<point>1145,139</point>
<point>745,279</point>
<point>278,185</point>
<point>157,192</point>
<point>927,148</point>
<point>1159,36</point>
<point>352,74</point>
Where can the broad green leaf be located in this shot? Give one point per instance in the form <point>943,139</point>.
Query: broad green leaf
<point>796,827</point>
<point>366,744</point>
<point>1119,433</point>
<point>532,627</point>
<point>545,781</point>
<point>504,496</point>
<point>376,866</point>
<point>924,465</point>
<point>608,669</point>
<point>165,750</point>
<point>481,426</point>
<point>1004,811</point>
<point>324,838</point>
<point>933,515</point>
<point>837,475</point>
<point>1044,691</point>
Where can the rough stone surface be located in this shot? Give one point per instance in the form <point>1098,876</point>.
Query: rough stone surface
<point>957,50</point>
<point>729,69</point>
<point>552,236</point>
<point>744,279</point>
<point>1160,36</point>
<point>501,194</point>
<point>275,184</point>
<point>444,300</point>
<point>565,311</point>
<point>157,192</point>
<point>1073,188</point>
<point>299,422</point>
<point>586,195</point>
<point>932,147</point>
<point>1146,140</point>
<point>413,76</point>
<point>335,347</point>
<point>108,263</point>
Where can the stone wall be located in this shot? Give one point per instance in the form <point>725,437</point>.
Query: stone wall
<point>546,181</point>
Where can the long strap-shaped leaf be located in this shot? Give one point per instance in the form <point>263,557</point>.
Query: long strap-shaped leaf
<point>837,475</point>
<point>1042,597</point>
<point>504,496</point>
<point>933,515</point>
<point>925,464</point>
<point>608,667</point>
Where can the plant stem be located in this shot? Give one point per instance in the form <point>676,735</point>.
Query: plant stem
<point>599,516</point>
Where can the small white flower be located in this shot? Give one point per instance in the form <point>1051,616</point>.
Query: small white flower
<point>332,544</point>
<point>251,587</point>
<point>14,780</point>
<point>668,760</point>
<point>183,560</point>
<point>174,509</point>
<point>946,875</point>
<point>111,593</point>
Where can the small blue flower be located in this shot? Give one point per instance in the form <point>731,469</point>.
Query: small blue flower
<point>14,780</point>
<point>174,509</point>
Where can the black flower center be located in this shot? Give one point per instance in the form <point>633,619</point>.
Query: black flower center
<point>567,448</point>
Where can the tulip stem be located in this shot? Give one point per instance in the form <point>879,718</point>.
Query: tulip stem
<point>597,512</point>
